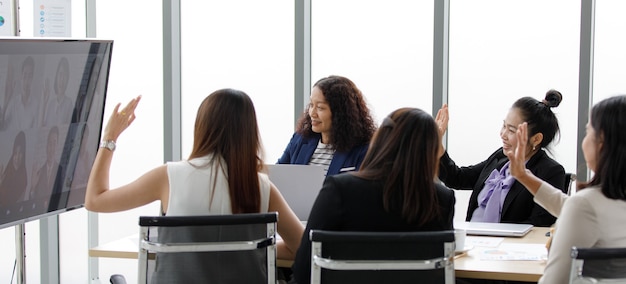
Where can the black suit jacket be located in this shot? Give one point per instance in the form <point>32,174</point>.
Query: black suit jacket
<point>349,203</point>
<point>518,206</point>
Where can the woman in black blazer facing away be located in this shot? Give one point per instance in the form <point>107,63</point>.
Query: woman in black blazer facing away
<point>496,196</point>
<point>393,191</point>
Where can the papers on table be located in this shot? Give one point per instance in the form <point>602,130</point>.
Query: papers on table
<point>490,242</point>
<point>515,251</point>
<point>492,248</point>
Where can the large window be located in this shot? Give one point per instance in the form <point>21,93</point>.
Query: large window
<point>135,70</point>
<point>504,50</point>
<point>385,48</point>
<point>499,51</point>
<point>245,45</point>
<point>609,56</point>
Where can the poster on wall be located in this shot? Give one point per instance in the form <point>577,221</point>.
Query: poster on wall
<point>52,18</point>
<point>7,26</point>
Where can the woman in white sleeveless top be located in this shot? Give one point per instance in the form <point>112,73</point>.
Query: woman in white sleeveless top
<point>221,176</point>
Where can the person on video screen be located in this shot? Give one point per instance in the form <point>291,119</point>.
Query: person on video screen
<point>58,107</point>
<point>22,106</point>
<point>13,180</point>
<point>44,177</point>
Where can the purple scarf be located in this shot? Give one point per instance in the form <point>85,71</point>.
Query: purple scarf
<point>491,198</point>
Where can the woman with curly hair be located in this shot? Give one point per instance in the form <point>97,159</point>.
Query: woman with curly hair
<point>335,129</point>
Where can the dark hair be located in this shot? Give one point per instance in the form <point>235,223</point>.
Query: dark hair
<point>352,124</point>
<point>20,140</point>
<point>404,153</point>
<point>65,65</point>
<point>608,119</point>
<point>539,115</point>
<point>226,126</point>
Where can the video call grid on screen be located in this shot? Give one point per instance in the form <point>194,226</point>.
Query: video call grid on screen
<point>52,94</point>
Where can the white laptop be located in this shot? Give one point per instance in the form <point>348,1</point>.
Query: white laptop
<point>299,185</point>
<point>496,229</point>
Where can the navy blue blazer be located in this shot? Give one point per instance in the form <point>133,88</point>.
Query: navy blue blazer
<point>300,150</point>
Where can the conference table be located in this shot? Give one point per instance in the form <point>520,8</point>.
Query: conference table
<point>468,265</point>
<point>472,266</point>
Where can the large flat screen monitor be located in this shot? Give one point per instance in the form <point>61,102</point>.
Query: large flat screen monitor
<point>52,94</point>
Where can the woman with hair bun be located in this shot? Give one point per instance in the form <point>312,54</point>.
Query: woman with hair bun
<point>594,216</point>
<point>497,197</point>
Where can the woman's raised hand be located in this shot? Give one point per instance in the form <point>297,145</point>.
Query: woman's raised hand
<point>442,120</point>
<point>517,155</point>
<point>120,119</point>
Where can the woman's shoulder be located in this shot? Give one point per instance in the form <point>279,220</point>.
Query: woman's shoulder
<point>347,177</point>
<point>542,158</point>
<point>205,162</point>
<point>545,167</point>
<point>348,181</point>
<point>497,155</point>
<point>177,164</point>
<point>300,138</point>
<point>263,178</point>
<point>444,191</point>
<point>361,148</point>
<point>590,194</point>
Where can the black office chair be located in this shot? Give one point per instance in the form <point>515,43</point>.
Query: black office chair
<point>598,265</point>
<point>382,257</point>
<point>569,179</point>
<point>117,279</point>
<point>237,248</point>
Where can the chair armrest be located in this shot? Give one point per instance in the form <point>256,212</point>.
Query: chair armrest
<point>206,246</point>
<point>598,253</point>
<point>333,264</point>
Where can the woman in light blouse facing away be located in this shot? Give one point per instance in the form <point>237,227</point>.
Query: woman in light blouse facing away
<point>221,176</point>
<point>335,129</point>
<point>496,196</point>
<point>596,214</point>
<point>393,191</point>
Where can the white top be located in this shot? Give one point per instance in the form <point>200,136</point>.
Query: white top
<point>322,156</point>
<point>192,182</point>
<point>588,219</point>
<point>20,116</point>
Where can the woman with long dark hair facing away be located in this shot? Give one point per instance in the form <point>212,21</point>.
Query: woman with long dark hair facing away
<point>221,176</point>
<point>393,191</point>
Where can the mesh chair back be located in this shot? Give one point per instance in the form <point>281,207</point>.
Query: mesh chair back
<point>236,248</point>
<point>570,178</point>
<point>382,257</point>
<point>598,265</point>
